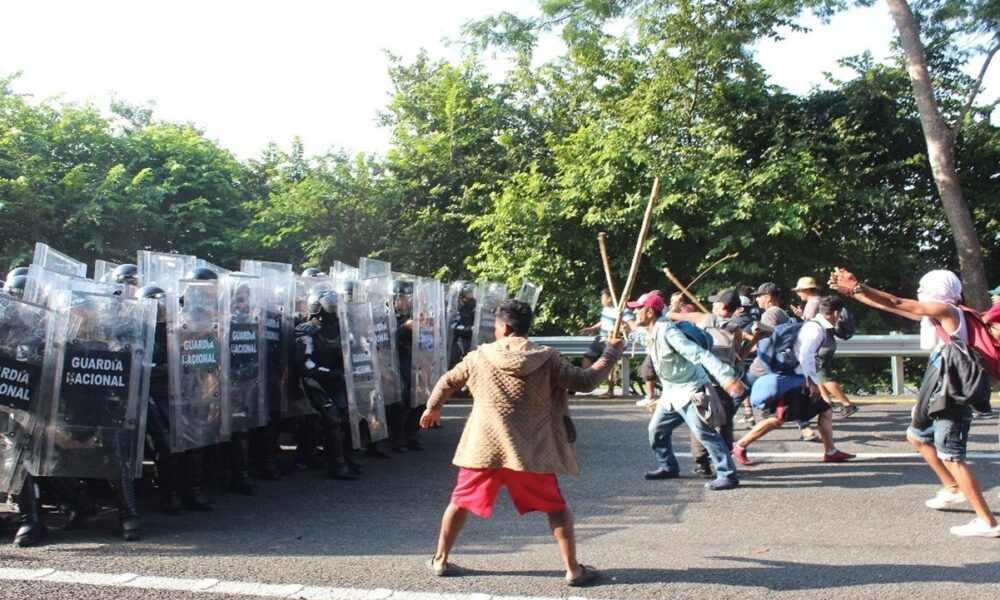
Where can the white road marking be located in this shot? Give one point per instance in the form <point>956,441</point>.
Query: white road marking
<point>862,455</point>
<point>242,588</point>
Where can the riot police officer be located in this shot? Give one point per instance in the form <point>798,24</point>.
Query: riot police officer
<point>320,363</point>
<point>402,295</point>
<point>461,324</point>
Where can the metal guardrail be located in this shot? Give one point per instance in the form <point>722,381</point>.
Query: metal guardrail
<point>895,347</point>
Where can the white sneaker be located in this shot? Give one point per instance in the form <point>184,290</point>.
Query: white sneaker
<point>945,499</point>
<point>977,528</point>
<point>645,402</point>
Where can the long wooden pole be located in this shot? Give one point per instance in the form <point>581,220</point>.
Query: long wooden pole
<point>602,242</point>
<point>646,219</point>
<point>712,266</point>
<point>670,275</point>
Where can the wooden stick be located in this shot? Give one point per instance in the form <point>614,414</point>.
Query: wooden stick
<point>646,219</point>
<point>684,290</point>
<point>602,242</point>
<point>712,266</point>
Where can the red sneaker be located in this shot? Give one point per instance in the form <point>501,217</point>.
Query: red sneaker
<point>740,455</point>
<point>838,456</point>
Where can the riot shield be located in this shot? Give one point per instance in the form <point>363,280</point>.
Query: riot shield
<point>378,291</point>
<point>529,293</point>
<point>428,338</point>
<point>278,284</point>
<point>242,354</point>
<point>303,287</point>
<point>96,381</point>
<point>221,272</point>
<point>460,313</point>
<point>193,365</point>
<point>41,285</point>
<point>488,298</point>
<point>369,267</point>
<point>22,347</point>
<point>364,397</point>
<point>163,269</point>
<point>103,270</point>
<point>57,262</point>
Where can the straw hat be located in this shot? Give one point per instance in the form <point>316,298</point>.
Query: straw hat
<point>805,283</point>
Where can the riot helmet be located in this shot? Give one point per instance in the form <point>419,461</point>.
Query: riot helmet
<point>467,291</point>
<point>201,274</point>
<point>16,271</point>
<point>347,289</point>
<point>15,285</point>
<point>155,292</point>
<point>402,287</point>
<point>311,272</point>
<point>127,274</point>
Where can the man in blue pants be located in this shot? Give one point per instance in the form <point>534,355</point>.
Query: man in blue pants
<point>688,396</point>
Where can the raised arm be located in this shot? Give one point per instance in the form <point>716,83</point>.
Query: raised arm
<point>846,283</point>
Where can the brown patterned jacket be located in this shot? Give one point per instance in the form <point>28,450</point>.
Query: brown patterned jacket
<point>520,405</point>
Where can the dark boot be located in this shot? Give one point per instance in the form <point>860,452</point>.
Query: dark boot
<point>306,443</point>
<point>336,463</point>
<point>32,530</point>
<point>73,501</point>
<point>168,468</point>
<point>395,415</point>
<point>128,512</point>
<point>194,477</point>
<point>265,452</point>
<point>239,480</point>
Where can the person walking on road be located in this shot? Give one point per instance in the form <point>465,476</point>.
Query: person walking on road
<point>518,434</point>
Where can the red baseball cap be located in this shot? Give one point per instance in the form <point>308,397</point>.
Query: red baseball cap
<point>649,300</point>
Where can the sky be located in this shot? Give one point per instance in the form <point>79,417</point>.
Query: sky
<point>251,72</point>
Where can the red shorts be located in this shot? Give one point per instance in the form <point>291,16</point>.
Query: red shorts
<point>476,491</point>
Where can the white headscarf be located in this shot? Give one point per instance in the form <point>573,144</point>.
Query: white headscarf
<point>937,286</point>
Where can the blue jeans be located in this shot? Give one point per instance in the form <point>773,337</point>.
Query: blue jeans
<point>662,426</point>
<point>948,433</point>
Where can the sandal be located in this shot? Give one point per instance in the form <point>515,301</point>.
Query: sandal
<point>587,575</point>
<point>439,571</point>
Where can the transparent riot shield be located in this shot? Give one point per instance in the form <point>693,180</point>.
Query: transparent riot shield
<point>278,284</point>
<point>22,348</point>
<point>57,262</point>
<point>369,267</point>
<point>221,272</point>
<point>303,287</point>
<point>163,269</point>
<point>529,293</point>
<point>103,270</point>
<point>41,285</point>
<point>194,365</point>
<point>364,396</point>
<point>460,314</point>
<point>488,298</point>
<point>93,417</point>
<point>378,291</point>
<point>428,338</point>
<point>243,352</point>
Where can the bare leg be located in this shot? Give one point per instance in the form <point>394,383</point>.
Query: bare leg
<point>936,464</point>
<point>451,525</point>
<point>826,431</point>
<point>561,523</point>
<point>650,391</point>
<point>970,487</point>
<point>831,390</point>
<point>759,430</point>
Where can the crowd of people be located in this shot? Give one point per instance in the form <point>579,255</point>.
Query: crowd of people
<point>750,352</point>
<point>204,369</point>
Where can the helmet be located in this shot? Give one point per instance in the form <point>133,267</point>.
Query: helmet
<point>402,287</point>
<point>15,285</point>
<point>311,272</point>
<point>151,291</point>
<point>347,288</point>
<point>468,290</point>
<point>322,301</point>
<point>126,274</point>
<point>16,271</point>
<point>202,274</point>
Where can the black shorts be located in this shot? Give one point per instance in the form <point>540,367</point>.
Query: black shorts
<point>596,350</point>
<point>798,405</point>
<point>646,371</point>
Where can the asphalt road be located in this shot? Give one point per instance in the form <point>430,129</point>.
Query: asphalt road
<point>795,528</point>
